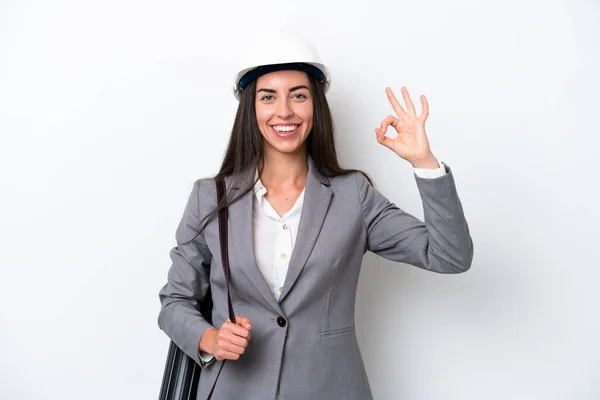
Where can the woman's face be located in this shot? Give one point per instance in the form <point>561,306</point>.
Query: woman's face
<point>284,110</point>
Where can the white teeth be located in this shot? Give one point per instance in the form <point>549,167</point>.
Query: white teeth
<point>288,128</point>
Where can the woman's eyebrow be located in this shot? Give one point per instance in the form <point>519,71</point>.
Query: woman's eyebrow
<point>299,87</point>
<point>291,89</point>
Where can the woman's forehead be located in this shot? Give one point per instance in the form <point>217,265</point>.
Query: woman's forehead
<point>283,79</point>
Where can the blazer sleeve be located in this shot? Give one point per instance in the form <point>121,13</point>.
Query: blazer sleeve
<point>187,281</point>
<point>441,244</point>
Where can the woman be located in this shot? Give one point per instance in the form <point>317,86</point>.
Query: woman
<point>299,225</point>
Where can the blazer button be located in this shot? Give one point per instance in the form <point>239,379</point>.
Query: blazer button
<point>281,321</point>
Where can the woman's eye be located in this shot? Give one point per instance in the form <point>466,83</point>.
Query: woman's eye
<point>267,97</point>
<point>300,96</point>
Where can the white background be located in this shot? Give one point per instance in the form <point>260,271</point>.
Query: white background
<point>110,110</point>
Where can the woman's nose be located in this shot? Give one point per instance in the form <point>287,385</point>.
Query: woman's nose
<point>284,110</point>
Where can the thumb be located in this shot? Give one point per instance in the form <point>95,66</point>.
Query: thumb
<point>243,322</point>
<point>384,140</point>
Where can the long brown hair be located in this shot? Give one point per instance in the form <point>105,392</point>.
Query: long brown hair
<point>245,154</point>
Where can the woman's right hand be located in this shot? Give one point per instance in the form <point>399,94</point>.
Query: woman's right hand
<point>229,342</point>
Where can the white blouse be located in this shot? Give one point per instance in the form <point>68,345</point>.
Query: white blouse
<point>274,237</point>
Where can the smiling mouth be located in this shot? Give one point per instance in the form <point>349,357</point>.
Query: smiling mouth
<point>284,131</point>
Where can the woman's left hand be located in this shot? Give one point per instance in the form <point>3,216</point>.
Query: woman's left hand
<point>411,143</point>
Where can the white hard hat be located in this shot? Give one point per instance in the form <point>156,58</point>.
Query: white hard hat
<point>279,50</point>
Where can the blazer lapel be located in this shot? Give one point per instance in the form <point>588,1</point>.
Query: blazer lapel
<point>242,247</point>
<point>317,197</point>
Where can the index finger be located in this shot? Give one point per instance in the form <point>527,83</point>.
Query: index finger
<point>394,102</point>
<point>238,330</point>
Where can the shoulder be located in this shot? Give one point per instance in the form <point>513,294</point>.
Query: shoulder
<point>205,191</point>
<point>352,179</point>
<point>351,185</point>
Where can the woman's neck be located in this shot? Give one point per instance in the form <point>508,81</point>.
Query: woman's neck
<point>281,170</point>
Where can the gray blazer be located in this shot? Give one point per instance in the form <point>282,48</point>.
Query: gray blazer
<point>304,346</point>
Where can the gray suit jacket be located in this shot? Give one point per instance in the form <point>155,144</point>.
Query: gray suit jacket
<point>304,346</point>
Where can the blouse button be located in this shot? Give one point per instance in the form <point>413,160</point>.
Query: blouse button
<point>285,227</point>
<point>283,256</point>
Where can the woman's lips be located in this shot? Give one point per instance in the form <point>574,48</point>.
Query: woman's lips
<point>285,134</point>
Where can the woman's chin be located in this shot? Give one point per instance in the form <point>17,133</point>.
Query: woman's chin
<point>288,148</point>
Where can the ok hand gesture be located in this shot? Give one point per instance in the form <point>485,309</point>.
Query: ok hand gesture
<point>411,143</point>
